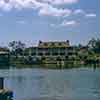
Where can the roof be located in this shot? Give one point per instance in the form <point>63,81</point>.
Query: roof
<point>4,50</point>
<point>54,44</point>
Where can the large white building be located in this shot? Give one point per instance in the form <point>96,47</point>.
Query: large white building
<point>52,51</point>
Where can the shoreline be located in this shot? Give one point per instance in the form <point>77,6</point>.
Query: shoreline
<point>51,66</point>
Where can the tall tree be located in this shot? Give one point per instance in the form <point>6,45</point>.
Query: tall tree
<point>17,47</point>
<point>92,43</point>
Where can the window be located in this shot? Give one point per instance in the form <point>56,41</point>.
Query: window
<point>60,44</point>
<point>47,53</point>
<point>55,53</point>
<point>45,44</point>
<point>33,54</point>
<point>40,54</point>
<point>52,44</point>
<point>62,53</point>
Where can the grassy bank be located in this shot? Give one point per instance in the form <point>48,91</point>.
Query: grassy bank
<point>65,65</point>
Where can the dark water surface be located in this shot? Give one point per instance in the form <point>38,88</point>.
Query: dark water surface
<point>43,84</point>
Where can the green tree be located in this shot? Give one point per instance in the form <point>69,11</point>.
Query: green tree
<point>17,47</point>
<point>92,43</point>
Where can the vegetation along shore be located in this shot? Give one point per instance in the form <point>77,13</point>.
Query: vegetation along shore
<point>52,54</point>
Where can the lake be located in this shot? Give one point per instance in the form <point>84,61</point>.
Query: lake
<point>46,84</point>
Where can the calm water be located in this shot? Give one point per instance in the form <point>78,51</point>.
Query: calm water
<point>41,84</point>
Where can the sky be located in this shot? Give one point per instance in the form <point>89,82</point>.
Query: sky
<point>49,20</point>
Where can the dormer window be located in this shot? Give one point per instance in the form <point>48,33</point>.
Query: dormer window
<point>40,42</point>
<point>67,41</point>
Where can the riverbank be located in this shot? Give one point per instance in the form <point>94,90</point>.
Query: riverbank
<point>53,66</point>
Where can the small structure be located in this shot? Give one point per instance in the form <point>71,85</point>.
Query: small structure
<point>5,94</point>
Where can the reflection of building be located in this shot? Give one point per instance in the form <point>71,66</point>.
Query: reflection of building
<point>51,51</point>
<point>4,58</point>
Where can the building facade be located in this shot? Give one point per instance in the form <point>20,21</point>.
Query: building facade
<point>50,51</point>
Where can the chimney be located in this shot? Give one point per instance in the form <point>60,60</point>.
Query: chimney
<point>68,42</point>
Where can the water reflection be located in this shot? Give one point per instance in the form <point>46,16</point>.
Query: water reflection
<point>39,84</point>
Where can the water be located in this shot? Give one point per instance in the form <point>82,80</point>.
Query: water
<point>43,84</point>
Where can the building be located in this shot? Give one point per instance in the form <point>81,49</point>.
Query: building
<point>50,52</point>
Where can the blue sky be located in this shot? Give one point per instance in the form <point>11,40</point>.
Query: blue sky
<point>47,20</point>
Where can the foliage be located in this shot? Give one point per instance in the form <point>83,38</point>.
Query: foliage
<point>17,47</point>
<point>94,44</point>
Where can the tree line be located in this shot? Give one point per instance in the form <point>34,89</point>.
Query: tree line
<point>17,47</point>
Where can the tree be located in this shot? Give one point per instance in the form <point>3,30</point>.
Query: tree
<point>92,43</point>
<point>98,43</point>
<point>17,47</point>
<point>80,46</point>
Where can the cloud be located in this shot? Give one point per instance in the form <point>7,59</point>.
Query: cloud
<point>91,15</point>
<point>9,4</point>
<point>69,23</point>
<point>18,4</point>
<point>44,7</point>
<point>84,13</point>
<point>60,2</point>
<point>52,11</point>
<point>4,5</point>
<point>79,11</point>
<point>65,23</point>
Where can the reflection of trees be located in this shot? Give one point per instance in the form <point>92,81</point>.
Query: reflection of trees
<point>97,83</point>
<point>96,86</point>
<point>20,81</point>
<point>54,86</point>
